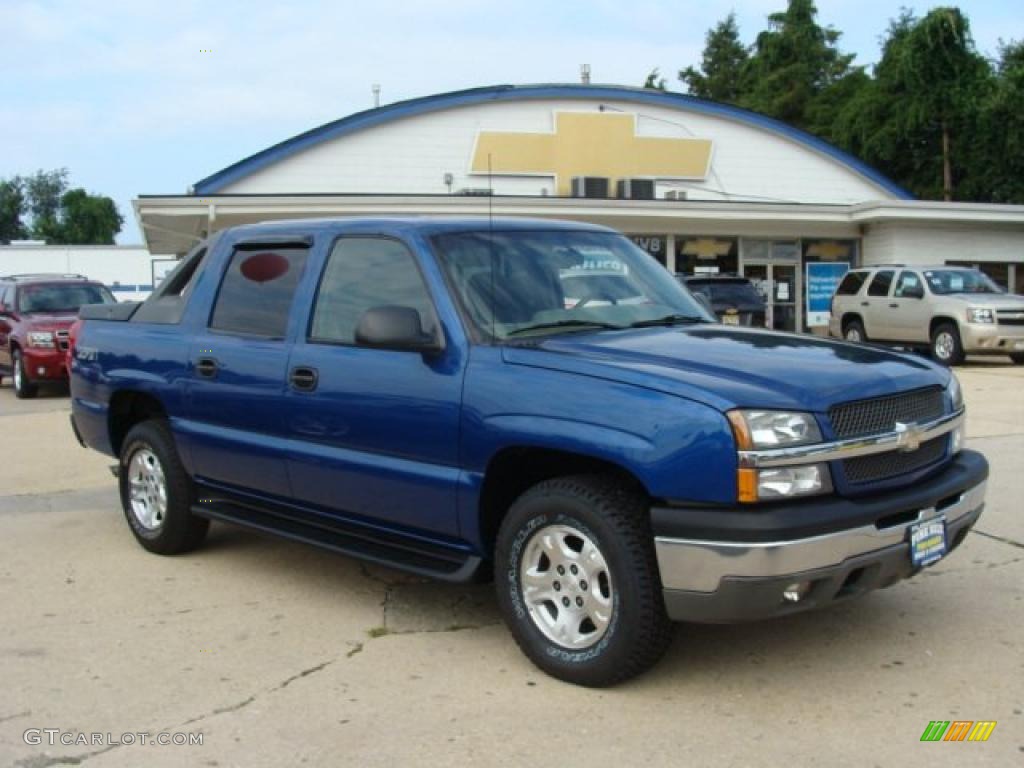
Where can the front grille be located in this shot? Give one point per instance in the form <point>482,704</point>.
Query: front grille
<point>880,414</point>
<point>1010,316</point>
<point>880,466</point>
<point>62,339</point>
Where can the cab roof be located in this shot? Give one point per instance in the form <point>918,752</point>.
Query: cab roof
<point>428,225</point>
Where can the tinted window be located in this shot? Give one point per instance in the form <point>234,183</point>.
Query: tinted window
<point>256,293</point>
<point>513,283</point>
<point>909,286</point>
<point>727,292</point>
<point>61,297</point>
<point>880,285</point>
<point>363,273</point>
<point>851,283</point>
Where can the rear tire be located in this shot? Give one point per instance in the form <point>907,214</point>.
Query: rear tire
<point>578,583</point>
<point>23,388</point>
<point>157,493</point>
<point>1018,358</point>
<point>946,347</point>
<point>854,331</point>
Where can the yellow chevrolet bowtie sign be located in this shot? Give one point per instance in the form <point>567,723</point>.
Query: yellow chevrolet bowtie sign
<point>590,144</point>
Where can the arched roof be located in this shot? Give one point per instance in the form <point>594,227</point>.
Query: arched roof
<point>502,93</point>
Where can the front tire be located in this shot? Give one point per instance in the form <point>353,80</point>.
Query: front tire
<point>946,346</point>
<point>23,388</point>
<point>156,492</point>
<point>578,583</point>
<point>1018,358</point>
<point>854,331</point>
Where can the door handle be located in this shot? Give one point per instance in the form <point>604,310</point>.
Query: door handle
<point>894,306</point>
<point>206,367</point>
<point>865,303</point>
<point>303,378</point>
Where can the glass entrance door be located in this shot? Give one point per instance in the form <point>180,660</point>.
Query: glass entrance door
<point>777,284</point>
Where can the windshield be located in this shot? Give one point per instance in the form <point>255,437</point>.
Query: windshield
<point>739,292</point>
<point>61,297</point>
<point>527,283</point>
<point>944,281</point>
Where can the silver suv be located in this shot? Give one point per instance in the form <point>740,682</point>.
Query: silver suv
<point>953,311</point>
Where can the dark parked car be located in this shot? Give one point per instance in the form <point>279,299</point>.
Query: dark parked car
<point>733,299</point>
<point>36,313</point>
<point>536,402</point>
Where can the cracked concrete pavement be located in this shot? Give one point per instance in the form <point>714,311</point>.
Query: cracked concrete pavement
<point>280,654</point>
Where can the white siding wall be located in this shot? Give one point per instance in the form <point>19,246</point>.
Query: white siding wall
<point>938,243</point>
<point>127,265</point>
<point>412,155</point>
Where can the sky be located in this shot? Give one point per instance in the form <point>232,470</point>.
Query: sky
<point>141,97</point>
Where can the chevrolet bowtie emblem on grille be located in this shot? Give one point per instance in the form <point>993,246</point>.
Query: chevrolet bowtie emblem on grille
<point>908,437</point>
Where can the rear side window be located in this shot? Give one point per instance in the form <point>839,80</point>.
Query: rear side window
<point>256,294</point>
<point>851,283</point>
<point>363,273</point>
<point>880,285</point>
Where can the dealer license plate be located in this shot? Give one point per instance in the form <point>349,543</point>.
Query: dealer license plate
<point>927,541</point>
<point>731,319</point>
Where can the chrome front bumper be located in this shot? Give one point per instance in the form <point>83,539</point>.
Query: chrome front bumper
<point>701,566</point>
<point>979,338</point>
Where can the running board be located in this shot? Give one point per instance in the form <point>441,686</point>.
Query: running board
<point>393,551</point>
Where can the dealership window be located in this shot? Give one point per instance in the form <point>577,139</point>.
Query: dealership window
<point>707,255</point>
<point>256,294</point>
<point>363,273</point>
<point>655,245</point>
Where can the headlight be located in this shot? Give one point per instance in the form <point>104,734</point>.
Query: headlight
<point>773,429</point>
<point>760,430</point>
<point>41,339</point>
<point>956,395</point>
<point>786,482</point>
<point>980,315</point>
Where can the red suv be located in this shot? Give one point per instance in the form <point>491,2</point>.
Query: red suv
<point>36,312</point>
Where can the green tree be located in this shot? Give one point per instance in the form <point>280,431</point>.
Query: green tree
<point>720,76</point>
<point>794,64</point>
<point>997,148</point>
<point>12,206</point>
<point>919,118</point>
<point>42,206</point>
<point>946,80</point>
<point>88,219</point>
<point>655,81</point>
<point>43,191</point>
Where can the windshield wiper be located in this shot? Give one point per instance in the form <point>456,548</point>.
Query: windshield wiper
<point>668,320</point>
<point>565,324</point>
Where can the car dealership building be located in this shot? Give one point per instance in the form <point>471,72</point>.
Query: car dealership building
<point>703,187</point>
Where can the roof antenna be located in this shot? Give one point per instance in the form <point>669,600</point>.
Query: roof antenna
<point>376,94</point>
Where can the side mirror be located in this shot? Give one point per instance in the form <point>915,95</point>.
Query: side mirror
<point>399,328</point>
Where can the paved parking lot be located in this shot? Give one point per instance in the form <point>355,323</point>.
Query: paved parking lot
<point>279,654</point>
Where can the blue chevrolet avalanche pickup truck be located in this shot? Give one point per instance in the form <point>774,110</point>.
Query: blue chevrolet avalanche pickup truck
<point>431,395</point>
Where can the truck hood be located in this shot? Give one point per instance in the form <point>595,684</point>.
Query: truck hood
<point>729,368</point>
<point>994,300</point>
<point>49,321</point>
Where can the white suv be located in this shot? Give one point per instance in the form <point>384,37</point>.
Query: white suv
<point>953,311</point>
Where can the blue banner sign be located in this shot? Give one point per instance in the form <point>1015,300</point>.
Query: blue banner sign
<point>823,277</point>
